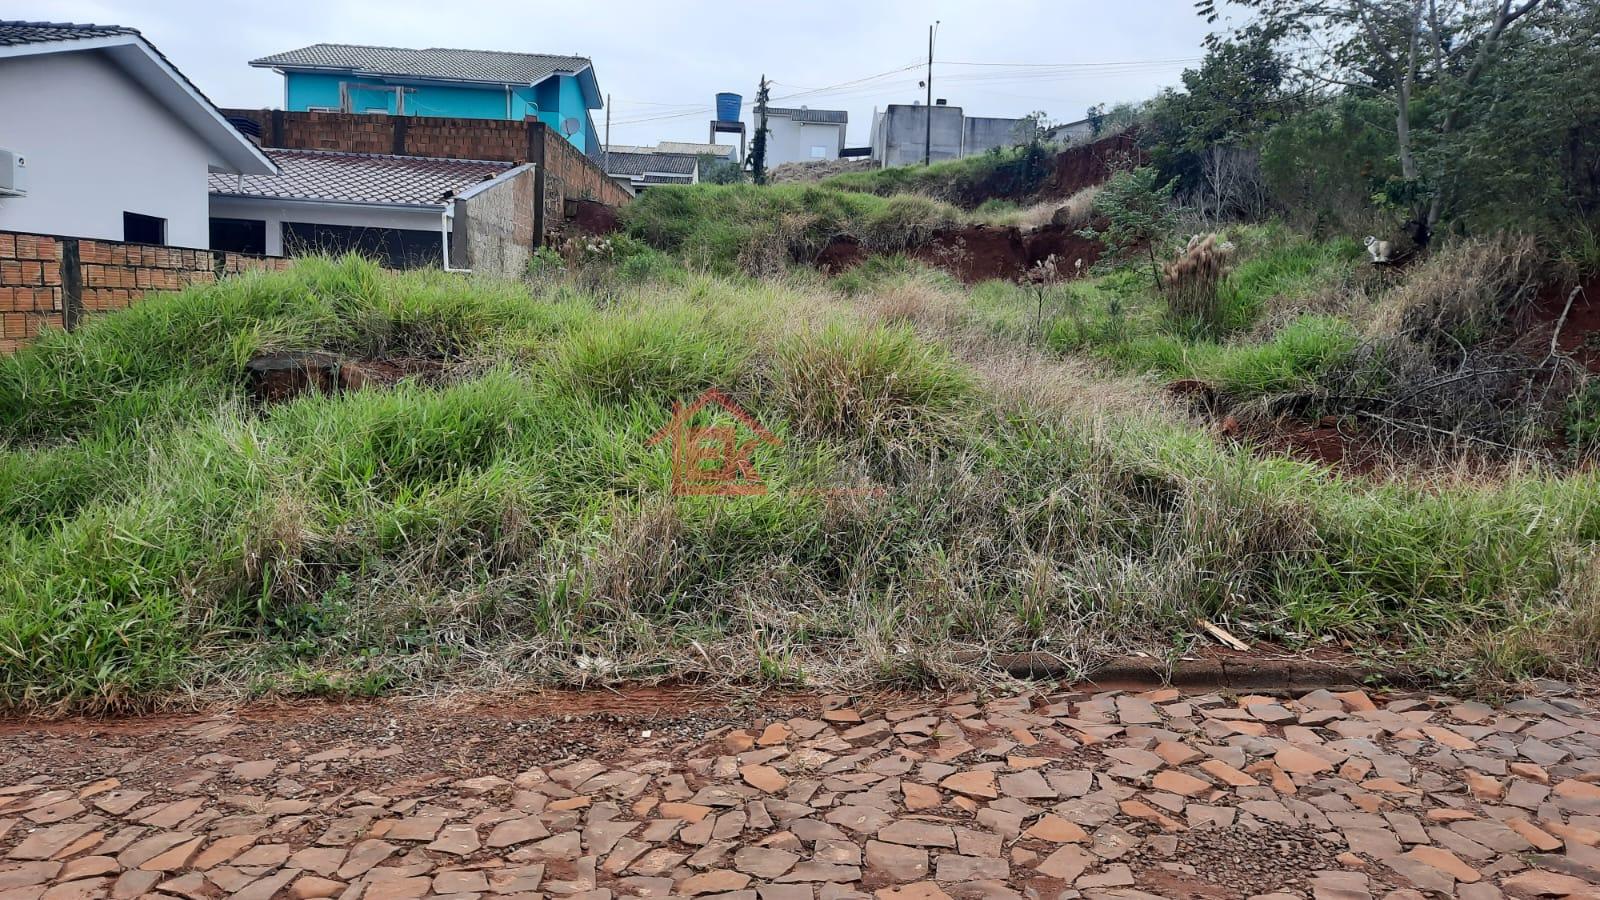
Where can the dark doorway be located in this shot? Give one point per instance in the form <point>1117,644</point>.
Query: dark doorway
<point>141,229</point>
<point>239,235</point>
<point>394,248</point>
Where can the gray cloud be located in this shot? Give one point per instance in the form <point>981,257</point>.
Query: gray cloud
<point>662,62</point>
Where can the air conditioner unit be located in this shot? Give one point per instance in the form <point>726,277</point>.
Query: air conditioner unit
<point>13,173</point>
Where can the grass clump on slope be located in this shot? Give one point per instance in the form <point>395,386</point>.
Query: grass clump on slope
<point>513,520</point>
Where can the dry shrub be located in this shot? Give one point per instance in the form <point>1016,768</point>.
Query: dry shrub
<point>1078,211</point>
<point>1430,373</point>
<point>1191,281</point>
<point>1463,291</point>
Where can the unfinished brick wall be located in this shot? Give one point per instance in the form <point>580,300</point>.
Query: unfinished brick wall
<point>49,281</point>
<point>570,175</point>
<point>30,287</point>
<point>564,171</point>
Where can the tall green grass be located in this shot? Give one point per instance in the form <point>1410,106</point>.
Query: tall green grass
<point>161,535</point>
<point>722,227</point>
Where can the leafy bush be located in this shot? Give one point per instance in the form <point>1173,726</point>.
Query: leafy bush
<point>1324,165</point>
<point>1137,211</point>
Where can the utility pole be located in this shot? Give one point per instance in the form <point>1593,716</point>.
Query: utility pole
<point>927,140</point>
<point>758,147</point>
<point>607,164</point>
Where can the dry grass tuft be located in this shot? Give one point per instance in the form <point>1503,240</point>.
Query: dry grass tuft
<point>1078,211</point>
<point>1192,280</point>
<point>1462,291</point>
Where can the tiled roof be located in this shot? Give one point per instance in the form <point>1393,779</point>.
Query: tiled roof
<point>665,179</point>
<point>15,33</point>
<point>818,116</point>
<point>695,148</point>
<point>640,163</point>
<point>491,66</point>
<point>360,178</point>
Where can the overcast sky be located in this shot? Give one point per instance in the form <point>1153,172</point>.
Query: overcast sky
<point>661,62</point>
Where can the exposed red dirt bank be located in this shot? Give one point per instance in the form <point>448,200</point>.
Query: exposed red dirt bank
<point>1087,165</point>
<point>1580,333</point>
<point>980,252</point>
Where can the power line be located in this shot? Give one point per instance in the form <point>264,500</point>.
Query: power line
<point>1006,73</point>
<point>1184,59</point>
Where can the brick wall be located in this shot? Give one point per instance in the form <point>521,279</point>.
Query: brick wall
<point>30,287</point>
<point>564,171</point>
<point>570,175</point>
<point>48,281</point>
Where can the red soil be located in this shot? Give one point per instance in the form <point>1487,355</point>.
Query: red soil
<point>980,252</point>
<point>1580,333</point>
<point>1087,165</point>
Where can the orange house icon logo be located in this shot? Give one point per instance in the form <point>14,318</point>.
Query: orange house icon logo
<point>712,460</point>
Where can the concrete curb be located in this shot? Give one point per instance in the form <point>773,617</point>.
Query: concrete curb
<point>1263,675</point>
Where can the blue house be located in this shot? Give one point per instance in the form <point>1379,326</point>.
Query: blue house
<point>475,84</point>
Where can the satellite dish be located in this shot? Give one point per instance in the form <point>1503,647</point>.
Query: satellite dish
<point>569,126</point>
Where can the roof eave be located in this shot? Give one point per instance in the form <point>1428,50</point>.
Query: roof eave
<point>589,85</point>
<point>235,153</point>
<point>322,201</point>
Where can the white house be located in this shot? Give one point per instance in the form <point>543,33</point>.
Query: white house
<point>804,135</point>
<point>102,137</point>
<point>399,210</point>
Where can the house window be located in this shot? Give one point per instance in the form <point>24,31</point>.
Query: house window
<point>142,229</point>
<point>819,152</point>
<point>239,235</point>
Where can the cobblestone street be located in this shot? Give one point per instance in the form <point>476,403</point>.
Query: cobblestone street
<point>1111,795</point>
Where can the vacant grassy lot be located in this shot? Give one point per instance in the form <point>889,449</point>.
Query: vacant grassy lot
<point>947,482</point>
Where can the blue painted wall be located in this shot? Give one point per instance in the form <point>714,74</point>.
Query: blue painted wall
<point>552,100</point>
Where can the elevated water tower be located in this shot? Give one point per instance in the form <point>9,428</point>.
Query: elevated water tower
<point>727,120</point>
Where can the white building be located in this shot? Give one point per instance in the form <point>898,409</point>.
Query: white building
<point>804,135</point>
<point>102,137</point>
<point>399,210</point>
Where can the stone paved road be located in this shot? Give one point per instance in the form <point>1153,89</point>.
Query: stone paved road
<point>1111,795</point>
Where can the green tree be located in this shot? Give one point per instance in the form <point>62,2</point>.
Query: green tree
<point>719,170</point>
<point>1231,100</point>
<point>758,144</point>
<point>1137,209</point>
<point>1425,57</point>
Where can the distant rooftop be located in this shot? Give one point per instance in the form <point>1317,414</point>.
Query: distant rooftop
<point>369,178</point>
<point>679,148</point>
<point>695,149</point>
<point>623,163</point>
<point>816,116</point>
<point>490,66</point>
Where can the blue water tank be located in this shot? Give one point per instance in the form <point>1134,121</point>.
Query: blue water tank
<point>728,107</point>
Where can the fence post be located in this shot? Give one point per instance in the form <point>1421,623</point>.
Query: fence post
<point>71,284</point>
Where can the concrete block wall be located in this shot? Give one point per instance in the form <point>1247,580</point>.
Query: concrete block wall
<point>494,227</point>
<point>48,281</point>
